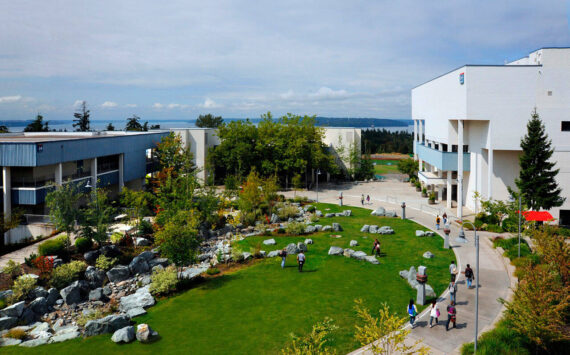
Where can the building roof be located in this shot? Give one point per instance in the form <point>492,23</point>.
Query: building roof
<point>42,137</point>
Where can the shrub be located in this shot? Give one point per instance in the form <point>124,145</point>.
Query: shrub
<point>163,281</point>
<point>287,212</point>
<point>44,264</point>
<point>311,208</point>
<point>22,287</point>
<point>493,228</point>
<point>300,199</point>
<point>63,275</point>
<point>30,259</point>
<point>424,191</point>
<point>145,227</point>
<point>510,224</point>
<point>54,246</point>
<point>117,238</point>
<point>295,228</point>
<point>84,318</point>
<point>3,303</point>
<point>104,263</point>
<point>16,333</point>
<point>314,218</point>
<point>12,268</point>
<point>249,218</point>
<point>83,244</point>
<point>281,230</point>
<point>213,271</point>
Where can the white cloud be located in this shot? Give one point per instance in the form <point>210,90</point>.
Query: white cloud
<point>157,105</point>
<point>131,105</point>
<point>109,104</point>
<point>326,93</point>
<point>209,103</point>
<point>287,95</point>
<point>7,99</point>
<point>77,103</point>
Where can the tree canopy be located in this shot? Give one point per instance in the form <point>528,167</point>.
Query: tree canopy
<point>81,122</point>
<point>133,124</point>
<point>209,121</point>
<point>37,125</point>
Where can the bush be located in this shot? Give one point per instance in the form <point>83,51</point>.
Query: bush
<point>54,246</point>
<point>117,238</point>
<point>493,228</point>
<point>83,244</point>
<point>510,224</point>
<point>500,340</point>
<point>84,318</point>
<point>12,268</point>
<point>63,275</point>
<point>163,281</point>
<point>145,227</point>
<point>213,271</point>
<point>3,303</point>
<point>287,212</point>
<point>104,263</point>
<point>295,228</point>
<point>44,264</point>
<point>281,231</point>
<point>311,208</point>
<point>30,259</point>
<point>16,333</point>
<point>22,287</point>
<point>300,199</point>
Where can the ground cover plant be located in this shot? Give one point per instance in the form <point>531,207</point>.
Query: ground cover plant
<point>255,309</point>
<point>386,167</point>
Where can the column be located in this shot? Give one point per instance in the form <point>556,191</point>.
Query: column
<point>7,192</point>
<point>420,141</point>
<point>460,169</point>
<point>59,174</point>
<point>449,182</point>
<point>415,137</point>
<point>490,174</point>
<point>121,172</point>
<point>440,175</point>
<point>94,173</point>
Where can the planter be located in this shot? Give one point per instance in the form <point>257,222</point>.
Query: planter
<point>424,194</point>
<point>431,202</point>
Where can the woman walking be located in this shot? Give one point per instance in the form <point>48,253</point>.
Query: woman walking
<point>451,315</point>
<point>433,313</point>
<point>444,218</point>
<point>368,199</point>
<point>283,257</point>
<point>412,311</point>
<point>376,247</point>
<point>453,291</point>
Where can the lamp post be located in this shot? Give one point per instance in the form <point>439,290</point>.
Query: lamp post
<point>476,284</point>
<point>318,173</point>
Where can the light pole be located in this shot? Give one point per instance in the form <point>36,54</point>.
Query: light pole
<point>318,173</point>
<point>476,284</point>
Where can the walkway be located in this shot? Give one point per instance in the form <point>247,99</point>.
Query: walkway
<point>493,273</point>
<point>20,254</point>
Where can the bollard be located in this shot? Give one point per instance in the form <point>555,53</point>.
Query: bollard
<point>403,210</point>
<point>422,278</point>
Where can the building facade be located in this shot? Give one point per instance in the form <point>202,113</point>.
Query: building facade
<point>468,125</point>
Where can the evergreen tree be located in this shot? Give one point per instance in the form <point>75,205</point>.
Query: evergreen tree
<point>4,129</point>
<point>133,124</point>
<point>537,178</point>
<point>209,121</point>
<point>81,122</point>
<point>37,125</point>
<point>110,127</point>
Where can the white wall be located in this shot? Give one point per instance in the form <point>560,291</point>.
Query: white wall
<point>342,137</point>
<point>26,231</point>
<point>199,140</point>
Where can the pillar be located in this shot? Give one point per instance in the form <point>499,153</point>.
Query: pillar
<point>449,182</point>
<point>460,169</point>
<point>415,137</point>
<point>94,173</point>
<point>59,174</point>
<point>121,172</point>
<point>490,175</point>
<point>7,192</point>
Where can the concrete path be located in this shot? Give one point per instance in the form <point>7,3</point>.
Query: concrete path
<point>494,276</point>
<point>20,254</point>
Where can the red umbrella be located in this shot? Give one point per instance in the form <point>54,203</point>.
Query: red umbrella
<point>537,216</point>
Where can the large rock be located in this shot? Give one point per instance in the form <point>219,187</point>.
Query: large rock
<point>310,229</point>
<point>91,256</point>
<point>158,261</point>
<point>428,255</point>
<point>6,294</point>
<point>365,228</point>
<point>38,292</point>
<point>124,335</point>
<point>430,293</point>
<point>385,230</point>
<point>301,247</point>
<point>36,342</point>
<point>108,324</point>
<point>274,219</point>
<point>318,213</point>
<point>111,251</point>
<point>292,249</point>
<point>420,233</point>
<point>53,296</point>
<point>348,253</point>
<point>327,228</point>
<point>308,241</point>
<point>359,255</point>
<point>347,213</point>
<point>135,312</point>
<point>429,234</point>
<point>192,272</point>
<point>138,266</point>
<point>145,333</point>
<point>138,299</point>
<point>8,322</point>
<point>14,310</point>
<point>273,253</point>
<point>380,211</point>
<point>318,227</point>
<point>118,273</point>
<point>269,241</point>
<point>373,229</point>
<point>9,342</point>
<point>147,255</point>
<point>391,214</point>
<point>94,276</point>
<point>371,259</point>
<point>245,255</point>
<point>336,251</point>
<point>65,334</point>
<point>71,294</point>
<point>40,329</point>
<point>353,243</point>
<point>28,316</point>
<point>97,295</point>
<point>336,227</point>
<point>39,306</point>
<point>329,215</point>
<point>142,242</point>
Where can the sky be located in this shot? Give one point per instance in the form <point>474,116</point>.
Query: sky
<point>178,59</point>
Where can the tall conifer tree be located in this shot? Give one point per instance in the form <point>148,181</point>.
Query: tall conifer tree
<point>537,178</point>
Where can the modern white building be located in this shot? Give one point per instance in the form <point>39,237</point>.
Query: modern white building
<point>468,124</point>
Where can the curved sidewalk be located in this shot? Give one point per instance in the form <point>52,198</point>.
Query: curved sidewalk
<point>495,279</point>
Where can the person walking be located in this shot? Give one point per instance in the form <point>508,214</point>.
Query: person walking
<point>437,222</point>
<point>362,199</point>
<point>368,199</point>
<point>433,313</point>
<point>452,271</point>
<point>469,275</point>
<point>444,218</point>
<point>452,291</point>
<point>451,315</point>
<point>412,311</point>
<point>283,257</point>
<point>340,198</point>
<point>301,260</point>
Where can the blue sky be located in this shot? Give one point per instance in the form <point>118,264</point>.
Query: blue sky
<point>177,59</point>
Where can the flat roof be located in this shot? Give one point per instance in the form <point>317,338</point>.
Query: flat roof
<point>39,137</point>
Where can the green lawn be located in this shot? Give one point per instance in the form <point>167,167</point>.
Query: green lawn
<point>386,167</point>
<point>255,309</point>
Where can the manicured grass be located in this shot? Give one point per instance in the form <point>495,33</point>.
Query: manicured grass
<point>254,310</point>
<point>386,167</point>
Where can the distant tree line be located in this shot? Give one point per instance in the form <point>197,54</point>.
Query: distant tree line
<point>384,141</point>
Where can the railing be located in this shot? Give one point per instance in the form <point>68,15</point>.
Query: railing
<point>33,182</point>
<point>36,218</point>
<point>105,167</point>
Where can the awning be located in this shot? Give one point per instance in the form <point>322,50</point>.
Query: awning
<point>537,216</point>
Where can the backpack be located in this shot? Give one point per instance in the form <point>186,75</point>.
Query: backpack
<point>468,273</point>
<point>437,220</point>
<point>452,289</point>
<point>412,311</point>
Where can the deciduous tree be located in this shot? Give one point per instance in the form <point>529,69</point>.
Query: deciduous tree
<point>62,203</point>
<point>209,121</point>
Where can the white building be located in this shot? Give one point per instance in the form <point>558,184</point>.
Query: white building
<point>484,109</point>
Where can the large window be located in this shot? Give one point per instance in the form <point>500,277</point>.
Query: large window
<point>564,218</point>
<point>565,126</point>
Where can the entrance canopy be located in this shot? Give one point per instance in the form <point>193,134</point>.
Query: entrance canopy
<point>537,216</point>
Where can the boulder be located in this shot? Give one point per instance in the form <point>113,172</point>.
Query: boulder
<point>404,274</point>
<point>124,335</point>
<point>71,294</point>
<point>273,253</point>
<point>145,280</point>
<point>138,299</point>
<point>373,229</point>
<point>359,255</point>
<point>371,259</point>
<point>39,306</point>
<point>53,296</point>
<point>8,322</point>
<point>269,241</point>
<point>301,247</point>
<point>327,228</point>
<point>40,330</point>
<point>318,227</point>
<point>336,227</point>
<point>391,214</point>
<point>145,333</point>
<point>430,293</point>
<point>6,294</point>
<point>385,230</point>
<point>329,215</point>
<point>142,242</point>
<point>380,211</point>
<point>28,316</point>
<point>95,277</point>
<point>429,234</point>
<point>14,310</point>
<point>347,213</point>
<point>135,312</point>
<point>147,255</point>
<point>318,213</point>
<point>158,261</point>
<point>9,342</point>
<point>263,253</point>
<point>107,291</point>
<point>38,292</point>
<point>365,228</point>
<point>204,257</point>
<point>66,333</point>
<point>111,251</point>
<point>138,266</point>
<point>336,251</point>
<point>245,255</point>
<point>108,324</point>
<point>353,243</point>
<point>420,233</point>
<point>428,255</point>
<point>91,256</point>
<point>274,219</point>
<point>118,273</point>
<point>36,342</point>
<point>310,229</point>
<point>57,262</point>
<point>97,295</point>
<point>192,272</point>
<point>348,253</point>
<point>308,241</point>
<point>292,249</point>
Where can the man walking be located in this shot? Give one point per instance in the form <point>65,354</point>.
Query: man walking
<point>453,292</point>
<point>301,260</point>
<point>283,255</point>
<point>437,222</point>
<point>469,275</point>
<point>362,199</point>
<point>452,271</point>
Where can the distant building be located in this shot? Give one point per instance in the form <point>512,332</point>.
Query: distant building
<point>33,162</point>
<point>468,125</point>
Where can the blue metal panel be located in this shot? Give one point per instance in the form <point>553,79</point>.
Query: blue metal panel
<point>446,161</point>
<point>17,154</point>
<point>29,196</point>
<point>107,179</point>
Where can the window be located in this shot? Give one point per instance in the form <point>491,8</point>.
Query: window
<point>564,218</point>
<point>565,126</point>
<point>444,147</point>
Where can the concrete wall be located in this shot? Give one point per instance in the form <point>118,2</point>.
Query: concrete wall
<point>26,231</point>
<point>342,139</point>
<point>199,140</point>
